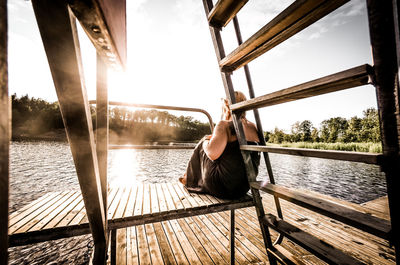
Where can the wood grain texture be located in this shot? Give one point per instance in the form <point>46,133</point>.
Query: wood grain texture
<point>102,125</point>
<point>4,133</point>
<point>368,158</point>
<point>353,77</point>
<point>384,54</point>
<point>224,11</point>
<point>316,246</point>
<point>292,20</point>
<point>376,226</point>
<point>104,21</point>
<point>59,35</point>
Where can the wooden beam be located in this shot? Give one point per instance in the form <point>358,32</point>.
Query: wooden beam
<point>224,11</point>
<point>292,20</point>
<point>104,21</point>
<point>363,221</point>
<point>353,77</point>
<point>58,30</point>
<point>102,127</point>
<point>4,134</point>
<point>318,247</point>
<point>384,54</point>
<point>368,158</point>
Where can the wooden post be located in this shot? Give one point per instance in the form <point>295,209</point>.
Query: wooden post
<point>59,35</point>
<point>386,81</point>
<point>113,258</point>
<point>232,236</point>
<point>4,134</point>
<point>251,175</point>
<point>102,127</point>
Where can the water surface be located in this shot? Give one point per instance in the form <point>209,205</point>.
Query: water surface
<point>41,167</point>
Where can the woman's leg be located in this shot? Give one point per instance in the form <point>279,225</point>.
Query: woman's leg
<point>192,175</point>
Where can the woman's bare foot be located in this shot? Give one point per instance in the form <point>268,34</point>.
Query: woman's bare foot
<point>183,179</point>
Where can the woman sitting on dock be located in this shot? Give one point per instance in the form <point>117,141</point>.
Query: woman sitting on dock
<point>216,166</point>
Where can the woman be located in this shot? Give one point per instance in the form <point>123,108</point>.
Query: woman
<point>216,166</point>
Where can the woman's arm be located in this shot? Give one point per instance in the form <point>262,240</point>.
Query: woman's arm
<point>216,145</point>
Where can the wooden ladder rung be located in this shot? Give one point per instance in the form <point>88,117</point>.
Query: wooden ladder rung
<point>362,157</point>
<point>357,76</point>
<point>293,19</point>
<point>316,246</point>
<point>366,222</point>
<point>224,11</point>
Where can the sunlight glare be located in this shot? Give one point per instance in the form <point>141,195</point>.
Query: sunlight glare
<point>123,169</point>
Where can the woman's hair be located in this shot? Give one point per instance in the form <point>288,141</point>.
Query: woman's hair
<point>239,96</point>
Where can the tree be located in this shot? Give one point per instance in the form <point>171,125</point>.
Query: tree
<point>370,126</point>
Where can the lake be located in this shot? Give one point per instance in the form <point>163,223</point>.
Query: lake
<point>41,167</point>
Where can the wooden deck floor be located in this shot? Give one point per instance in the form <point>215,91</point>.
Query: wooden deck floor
<point>204,239</point>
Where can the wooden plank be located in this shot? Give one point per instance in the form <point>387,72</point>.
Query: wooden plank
<point>292,20</point>
<point>185,243</point>
<point>357,76</point>
<point>208,246</point>
<point>5,133</point>
<point>114,204</point>
<point>365,222</point>
<point>155,208</point>
<point>168,196</point>
<point>121,253</point>
<point>154,248</point>
<point>185,202</point>
<point>186,195</point>
<point>209,231</point>
<point>28,225</point>
<point>241,239</point>
<point>143,249</point>
<point>165,247</point>
<point>349,240</point>
<point>132,250</point>
<point>63,54</point>
<point>55,212</point>
<point>139,201</point>
<point>67,220</point>
<point>119,212</point>
<point>29,208</point>
<point>33,214</point>
<point>130,206</point>
<point>224,11</point>
<point>146,199</point>
<point>383,36</point>
<point>170,192</point>
<point>195,243</point>
<point>161,198</point>
<point>174,243</point>
<point>77,198</point>
<point>102,126</point>
<point>360,244</point>
<point>321,249</point>
<point>104,22</point>
<point>240,247</point>
<point>368,158</point>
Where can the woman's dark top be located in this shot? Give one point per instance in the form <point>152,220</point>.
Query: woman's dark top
<point>224,177</point>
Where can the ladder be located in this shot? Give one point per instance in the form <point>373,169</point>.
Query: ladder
<point>383,75</point>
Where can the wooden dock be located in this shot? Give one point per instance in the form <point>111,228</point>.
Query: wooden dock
<point>202,239</point>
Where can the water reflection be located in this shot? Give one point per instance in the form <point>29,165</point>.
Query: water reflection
<point>41,167</point>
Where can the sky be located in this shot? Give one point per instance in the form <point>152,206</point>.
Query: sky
<point>171,59</point>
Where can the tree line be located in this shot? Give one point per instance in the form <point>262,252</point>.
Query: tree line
<point>333,130</point>
<point>32,117</point>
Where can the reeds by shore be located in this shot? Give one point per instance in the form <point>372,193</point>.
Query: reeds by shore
<point>355,147</point>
